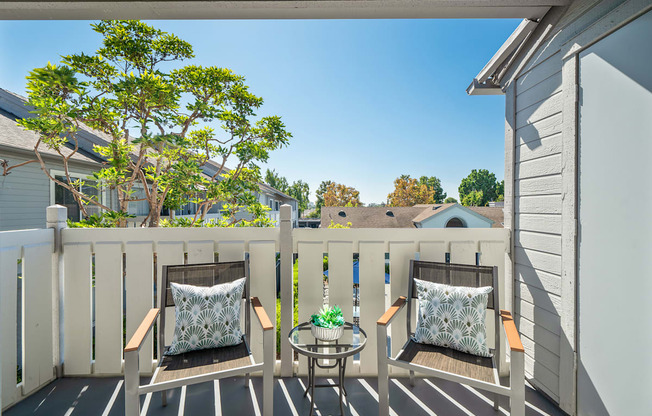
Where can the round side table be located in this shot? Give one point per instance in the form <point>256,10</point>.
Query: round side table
<point>353,340</point>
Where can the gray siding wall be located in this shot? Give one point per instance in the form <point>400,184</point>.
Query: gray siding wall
<point>537,220</point>
<point>539,116</point>
<point>25,193</point>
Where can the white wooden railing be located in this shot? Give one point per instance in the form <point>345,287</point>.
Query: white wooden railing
<point>28,254</point>
<point>487,246</point>
<point>111,272</point>
<point>140,253</point>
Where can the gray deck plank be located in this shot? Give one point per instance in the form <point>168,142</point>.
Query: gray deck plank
<point>92,396</point>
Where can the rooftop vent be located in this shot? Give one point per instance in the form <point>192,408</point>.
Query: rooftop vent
<point>342,214</point>
<point>389,213</point>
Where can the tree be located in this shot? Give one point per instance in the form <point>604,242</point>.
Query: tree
<point>500,191</point>
<point>409,192</point>
<point>300,191</point>
<point>474,199</point>
<point>434,184</point>
<point>276,181</point>
<point>450,200</point>
<point>339,195</point>
<point>479,181</point>
<point>125,85</point>
<point>319,193</point>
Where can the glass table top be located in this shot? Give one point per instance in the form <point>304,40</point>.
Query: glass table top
<point>352,341</point>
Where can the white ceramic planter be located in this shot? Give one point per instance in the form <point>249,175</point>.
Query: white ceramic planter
<point>326,334</point>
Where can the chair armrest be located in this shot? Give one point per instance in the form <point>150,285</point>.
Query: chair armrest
<point>261,314</point>
<point>513,338</point>
<point>387,317</point>
<point>139,336</point>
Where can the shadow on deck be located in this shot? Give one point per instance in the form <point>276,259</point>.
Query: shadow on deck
<point>105,397</point>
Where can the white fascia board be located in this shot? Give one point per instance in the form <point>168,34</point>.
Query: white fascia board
<point>522,31</point>
<point>479,85</point>
<point>483,89</point>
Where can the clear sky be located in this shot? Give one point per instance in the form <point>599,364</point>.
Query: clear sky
<point>366,100</point>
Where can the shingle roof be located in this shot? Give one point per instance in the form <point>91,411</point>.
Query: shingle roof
<point>493,213</point>
<point>402,217</point>
<point>13,135</point>
<point>430,210</point>
<point>370,217</point>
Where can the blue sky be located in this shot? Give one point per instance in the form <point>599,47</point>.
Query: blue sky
<point>366,100</point>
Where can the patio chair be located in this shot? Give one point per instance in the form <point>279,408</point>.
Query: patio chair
<point>203,365</point>
<point>449,364</point>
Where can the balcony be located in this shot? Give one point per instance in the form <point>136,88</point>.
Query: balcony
<point>65,294</point>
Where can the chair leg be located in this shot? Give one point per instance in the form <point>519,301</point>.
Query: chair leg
<point>517,383</point>
<point>164,398</point>
<point>132,401</point>
<point>411,378</point>
<point>268,372</point>
<point>246,380</point>
<point>496,401</point>
<point>383,372</point>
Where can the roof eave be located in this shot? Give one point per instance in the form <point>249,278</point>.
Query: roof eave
<point>487,82</point>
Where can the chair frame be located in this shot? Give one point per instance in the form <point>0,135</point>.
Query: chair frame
<point>516,389</point>
<point>133,389</point>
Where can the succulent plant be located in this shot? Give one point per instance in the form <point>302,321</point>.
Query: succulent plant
<point>328,317</point>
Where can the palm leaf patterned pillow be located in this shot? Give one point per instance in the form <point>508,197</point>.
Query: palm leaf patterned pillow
<point>206,317</point>
<point>452,317</point>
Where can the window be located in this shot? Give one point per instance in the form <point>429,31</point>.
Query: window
<point>63,196</point>
<point>455,223</point>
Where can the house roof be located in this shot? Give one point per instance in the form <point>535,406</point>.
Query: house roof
<point>370,217</point>
<point>401,217</point>
<point>495,214</point>
<point>14,136</point>
<point>13,107</point>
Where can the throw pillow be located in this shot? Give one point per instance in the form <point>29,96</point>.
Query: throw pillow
<point>452,317</point>
<point>206,317</point>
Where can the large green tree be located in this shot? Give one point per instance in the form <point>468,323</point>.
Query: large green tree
<point>276,181</point>
<point>319,194</point>
<point>300,191</point>
<point>133,83</point>
<point>479,188</point>
<point>433,183</point>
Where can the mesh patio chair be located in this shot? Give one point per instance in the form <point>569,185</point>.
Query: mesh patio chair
<point>449,364</point>
<point>203,365</point>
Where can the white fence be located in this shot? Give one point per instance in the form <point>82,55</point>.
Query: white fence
<point>140,253</point>
<point>372,246</point>
<point>28,254</point>
<point>111,273</point>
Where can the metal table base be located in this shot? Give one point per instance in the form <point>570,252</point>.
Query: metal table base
<point>341,364</point>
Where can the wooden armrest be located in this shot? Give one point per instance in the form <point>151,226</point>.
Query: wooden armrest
<point>142,331</point>
<point>261,314</point>
<point>392,311</point>
<point>513,337</point>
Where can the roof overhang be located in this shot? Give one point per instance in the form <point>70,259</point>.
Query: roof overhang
<point>273,9</point>
<point>487,82</point>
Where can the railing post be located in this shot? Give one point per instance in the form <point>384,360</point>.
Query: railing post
<point>287,288</point>
<point>56,218</point>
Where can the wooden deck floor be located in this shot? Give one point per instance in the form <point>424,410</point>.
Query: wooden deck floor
<point>105,397</point>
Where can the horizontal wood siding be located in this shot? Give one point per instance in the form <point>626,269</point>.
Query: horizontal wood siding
<point>25,193</point>
<point>537,220</point>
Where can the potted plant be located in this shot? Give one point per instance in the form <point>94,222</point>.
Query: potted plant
<point>327,324</point>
